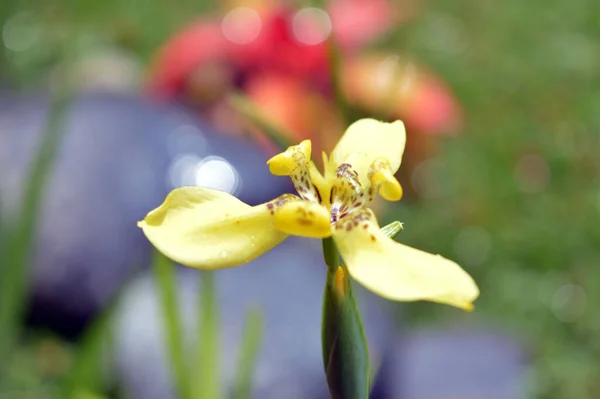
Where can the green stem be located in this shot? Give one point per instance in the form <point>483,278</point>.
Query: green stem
<point>345,349</point>
<point>331,254</point>
<point>164,274</point>
<point>86,370</point>
<point>207,347</point>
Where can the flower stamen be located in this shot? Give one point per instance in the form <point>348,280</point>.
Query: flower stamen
<point>347,193</point>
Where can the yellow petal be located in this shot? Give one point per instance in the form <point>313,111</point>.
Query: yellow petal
<point>210,229</point>
<point>294,157</point>
<point>295,162</point>
<point>396,271</point>
<point>304,218</point>
<point>367,140</point>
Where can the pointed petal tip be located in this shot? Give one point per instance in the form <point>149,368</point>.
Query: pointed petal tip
<point>397,272</point>
<point>209,229</point>
<point>284,163</point>
<point>465,304</point>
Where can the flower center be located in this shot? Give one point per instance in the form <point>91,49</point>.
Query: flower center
<point>347,192</point>
<point>328,200</point>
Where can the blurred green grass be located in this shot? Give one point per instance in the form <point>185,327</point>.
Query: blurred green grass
<point>515,197</point>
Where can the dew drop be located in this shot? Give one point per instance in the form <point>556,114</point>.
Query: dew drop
<point>224,253</point>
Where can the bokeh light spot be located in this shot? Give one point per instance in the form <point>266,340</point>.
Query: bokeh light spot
<point>19,32</point>
<point>569,302</point>
<point>182,171</point>
<point>241,25</point>
<point>472,245</point>
<point>186,139</point>
<point>532,173</point>
<point>311,26</point>
<point>218,174</point>
<point>425,179</point>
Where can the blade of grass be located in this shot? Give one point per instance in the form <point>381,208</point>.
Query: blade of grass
<point>85,372</point>
<point>19,240</point>
<point>249,110</point>
<point>207,347</point>
<point>249,350</point>
<point>164,274</point>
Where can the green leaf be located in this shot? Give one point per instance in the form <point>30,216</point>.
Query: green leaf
<point>249,351</point>
<point>207,346</point>
<point>86,371</point>
<point>17,242</point>
<point>393,229</point>
<point>165,276</point>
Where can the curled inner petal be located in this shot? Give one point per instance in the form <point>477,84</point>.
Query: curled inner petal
<point>396,271</point>
<point>294,157</point>
<point>295,162</point>
<point>303,218</point>
<point>382,179</point>
<point>210,229</point>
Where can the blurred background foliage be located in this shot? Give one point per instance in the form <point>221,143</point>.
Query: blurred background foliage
<point>514,196</point>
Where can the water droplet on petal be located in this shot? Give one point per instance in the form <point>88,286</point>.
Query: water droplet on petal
<point>224,253</point>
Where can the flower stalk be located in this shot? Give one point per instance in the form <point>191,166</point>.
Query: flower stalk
<point>345,349</point>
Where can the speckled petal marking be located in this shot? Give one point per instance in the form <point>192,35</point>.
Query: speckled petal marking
<point>347,193</point>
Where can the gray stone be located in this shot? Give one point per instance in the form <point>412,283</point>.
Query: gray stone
<point>458,363</point>
<point>119,157</point>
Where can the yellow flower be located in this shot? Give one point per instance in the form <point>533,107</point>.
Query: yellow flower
<point>209,229</point>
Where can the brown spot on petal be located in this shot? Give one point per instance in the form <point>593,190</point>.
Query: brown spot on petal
<point>304,222</point>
